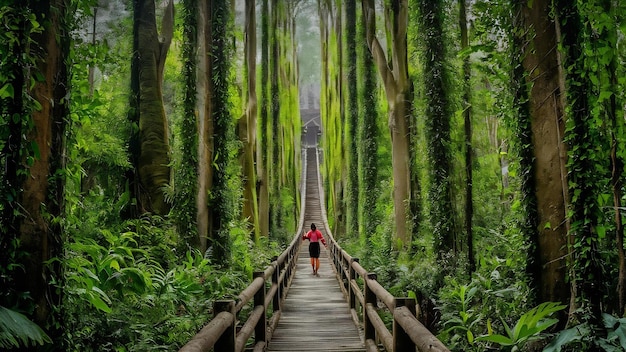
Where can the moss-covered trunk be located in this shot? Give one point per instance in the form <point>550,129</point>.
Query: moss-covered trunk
<point>153,163</point>
<point>221,202</point>
<point>42,161</point>
<point>351,131</point>
<point>247,123</point>
<point>205,120</point>
<point>399,89</point>
<point>369,189</point>
<point>544,162</point>
<point>262,141</point>
<point>186,172</point>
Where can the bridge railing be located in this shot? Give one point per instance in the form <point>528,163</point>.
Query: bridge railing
<point>407,332</point>
<point>222,332</point>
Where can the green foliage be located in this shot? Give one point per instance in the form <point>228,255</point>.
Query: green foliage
<point>581,337</point>
<point>467,317</point>
<point>496,290</point>
<point>152,298</point>
<point>530,325</point>
<point>16,330</point>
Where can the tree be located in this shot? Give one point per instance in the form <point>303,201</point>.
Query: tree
<point>584,165</point>
<point>275,137</point>
<point>262,169</point>
<point>369,190</point>
<point>331,107</point>
<point>186,171</point>
<point>221,202</point>
<point>467,123</point>
<point>35,87</point>
<point>352,193</point>
<point>618,133</point>
<point>290,121</point>
<point>543,155</point>
<point>394,75</point>
<point>284,125</point>
<point>437,124</point>
<point>150,146</point>
<point>247,122</point>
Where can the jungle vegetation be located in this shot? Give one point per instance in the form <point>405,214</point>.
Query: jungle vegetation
<point>473,157</point>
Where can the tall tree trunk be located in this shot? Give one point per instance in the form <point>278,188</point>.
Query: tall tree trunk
<point>547,182</point>
<point>617,167</point>
<point>618,132</point>
<point>341,188</point>
<point>525,151</point>
<point>609,38</point>
<point>438,117</point>
<point>352,199</point>
<point>331,112</point>
<point>41,201</point>
<point>369,190</point>
<point>186,178</point>
<point>274,135</point>
<point>247,123</point>
<point>399,91</point>
<point>467,121</point>
<point>583,133</point>
<point>205,120</point>
<point>263,136</point>
<point>295,165</point>
<point>153,160</point>
<point>221,209</point>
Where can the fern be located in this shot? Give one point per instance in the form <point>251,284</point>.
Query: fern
<point>16,330</point>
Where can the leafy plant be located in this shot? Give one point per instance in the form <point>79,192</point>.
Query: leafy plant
<point>529,325</point>
<point>467,318</point>
<point>581,335</point>
<point>17,330</point>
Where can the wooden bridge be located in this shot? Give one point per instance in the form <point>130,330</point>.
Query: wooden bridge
<point>294,310</point>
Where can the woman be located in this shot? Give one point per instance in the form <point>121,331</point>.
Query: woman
<point>315,237</point>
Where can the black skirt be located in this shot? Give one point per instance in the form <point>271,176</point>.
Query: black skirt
<point>314,249</point>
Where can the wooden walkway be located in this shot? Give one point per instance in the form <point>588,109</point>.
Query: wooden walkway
<point>315,315</point>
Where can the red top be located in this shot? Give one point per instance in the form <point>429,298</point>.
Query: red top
<point>314,236</point>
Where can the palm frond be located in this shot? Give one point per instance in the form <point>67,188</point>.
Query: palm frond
<point>16,329</point>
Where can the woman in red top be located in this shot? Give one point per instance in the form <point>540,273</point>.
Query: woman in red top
<point>315,237</point>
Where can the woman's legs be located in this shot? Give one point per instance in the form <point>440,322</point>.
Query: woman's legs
<point>315,264</point>
<point>314,253</point>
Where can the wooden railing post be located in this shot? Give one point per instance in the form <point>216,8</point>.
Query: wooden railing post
<point>352,276</point>
<point>284,282</point>
<point>279,290</point>
<point>401,340</point>
<point>337,258</point>
<point>259,300</point>
<point>342,269</point>
<point>226,342</point>
<point>369,297</point>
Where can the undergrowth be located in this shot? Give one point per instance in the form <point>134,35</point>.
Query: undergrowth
<point>130,289</point>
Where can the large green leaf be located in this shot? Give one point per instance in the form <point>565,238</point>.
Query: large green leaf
<point>17,330</point>
<point>529,325</point>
